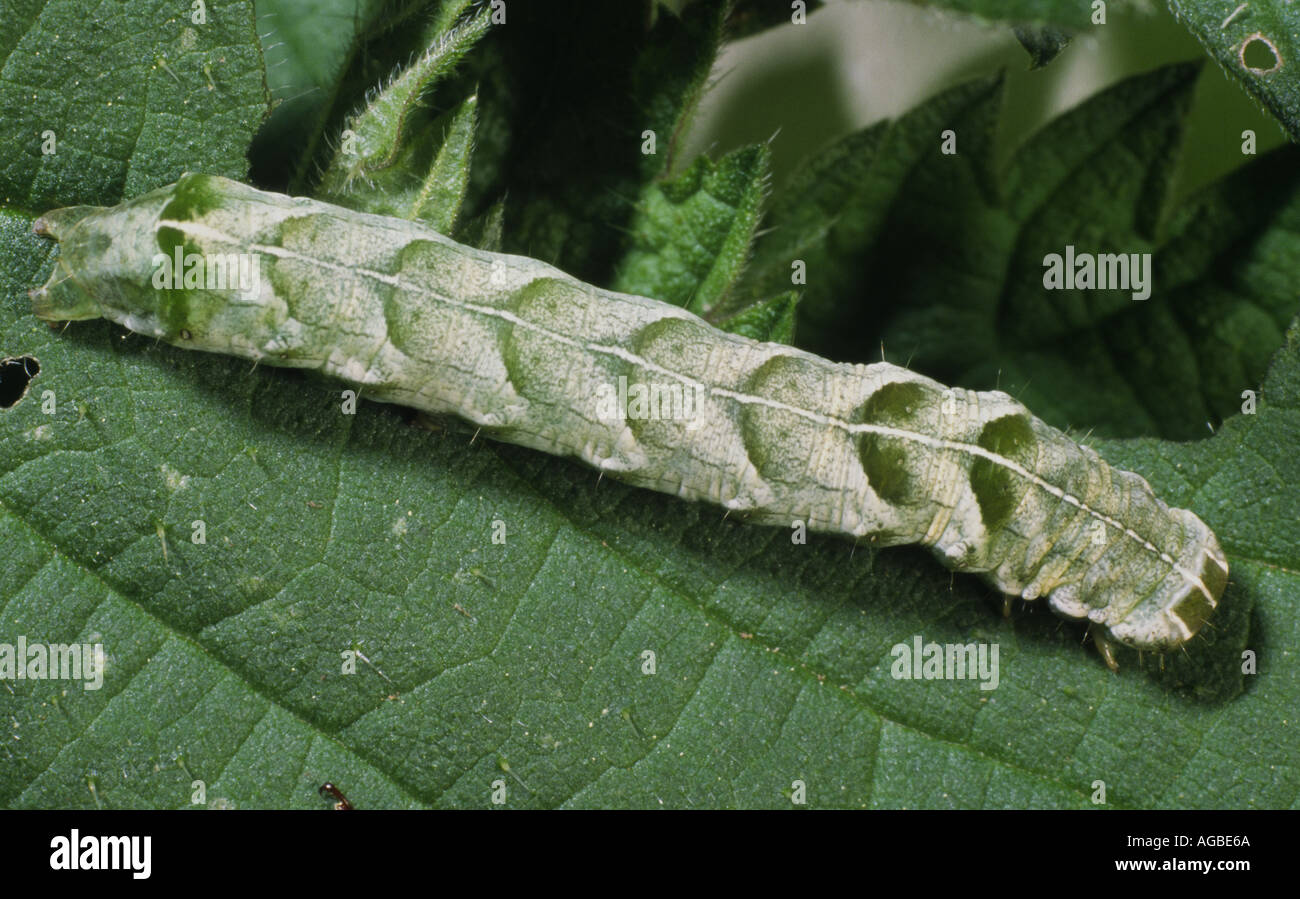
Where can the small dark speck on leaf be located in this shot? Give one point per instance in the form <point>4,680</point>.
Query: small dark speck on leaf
<point>329,791</point>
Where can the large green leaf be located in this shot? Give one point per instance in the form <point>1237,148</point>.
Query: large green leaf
<point>88,118</point>
<point>524,661</point>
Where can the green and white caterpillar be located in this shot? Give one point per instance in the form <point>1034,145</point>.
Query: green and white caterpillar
<point>537,358</point>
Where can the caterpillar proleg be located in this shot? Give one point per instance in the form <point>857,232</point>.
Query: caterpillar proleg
<point>644,391</point>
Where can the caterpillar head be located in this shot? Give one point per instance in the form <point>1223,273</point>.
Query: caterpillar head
<point>152,266</point>
<point>62,298</point>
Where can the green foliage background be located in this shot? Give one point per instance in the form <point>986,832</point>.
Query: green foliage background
<point>523,662</point>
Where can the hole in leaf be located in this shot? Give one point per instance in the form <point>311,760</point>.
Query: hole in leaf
<point>15,375</point>
<point>1260,56</point>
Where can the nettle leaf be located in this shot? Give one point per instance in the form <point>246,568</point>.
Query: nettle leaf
<point>690,237</point>
<point>484,230</point>
<point>386,146</point>
<point>772,319</point>
<point>427,178</point>
<point>439,200</point>
<point>171,95</point>
<point>944,260</point>
<point>838,202</point>
<point>1258,44</point>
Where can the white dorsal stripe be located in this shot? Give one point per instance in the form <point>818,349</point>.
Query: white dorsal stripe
<point>206,232</point>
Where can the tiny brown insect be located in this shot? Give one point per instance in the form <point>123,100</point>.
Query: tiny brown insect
<point>341,804</point>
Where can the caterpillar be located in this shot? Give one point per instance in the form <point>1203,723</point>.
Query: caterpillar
<point>644,391</point>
